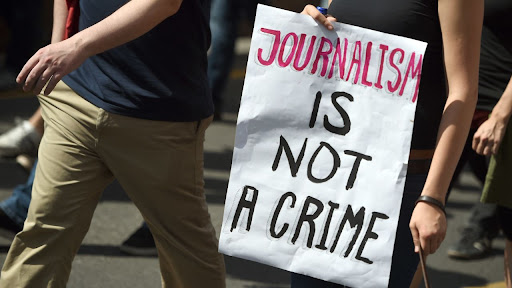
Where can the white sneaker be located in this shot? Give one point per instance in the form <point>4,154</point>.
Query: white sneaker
<point>22,139</point>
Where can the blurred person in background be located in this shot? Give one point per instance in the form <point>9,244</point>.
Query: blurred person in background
<point>131,108</point>
<point>452,29</point>
<point>494,75</point>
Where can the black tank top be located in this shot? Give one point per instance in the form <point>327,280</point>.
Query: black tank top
<point>495,53</point>
<point>416,19</point>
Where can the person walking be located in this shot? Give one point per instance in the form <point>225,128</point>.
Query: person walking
<point>126,97</point>
<point>452,29</point>
<point>489,126</point>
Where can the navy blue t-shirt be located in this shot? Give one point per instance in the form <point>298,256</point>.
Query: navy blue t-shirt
<point>158,76</point>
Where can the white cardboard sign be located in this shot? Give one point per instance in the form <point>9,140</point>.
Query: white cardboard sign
<point>322,142</point>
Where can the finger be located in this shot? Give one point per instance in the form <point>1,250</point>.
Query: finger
<point>27,68</point>
<point>43,79</point>
<point>480,148</point>
<point>319,17</point>
<point>33,76</point>
<point>415,239</point>
<point>487,148</point>
<point>476,141</point>
<point>52,83</point>
<point>495,147</point>
<point>331,19</point>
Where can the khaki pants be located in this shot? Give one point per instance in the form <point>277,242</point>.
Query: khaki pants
<point>159,165</point>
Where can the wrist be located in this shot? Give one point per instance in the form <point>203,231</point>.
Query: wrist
<point>500,116</point>
<point>81,45</point>
<point>432,202</point>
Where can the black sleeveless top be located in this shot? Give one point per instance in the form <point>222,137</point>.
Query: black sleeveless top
<point>416,19</point>
<point>495,53</point>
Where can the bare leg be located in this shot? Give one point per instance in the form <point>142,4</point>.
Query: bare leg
<point>416,281</point>
<point>37,121</point>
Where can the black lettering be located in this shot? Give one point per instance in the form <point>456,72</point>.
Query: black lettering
<point>276,214</point>
<point>333,206</point>
<point>335,165</point>
<point>354,221</point>
<point>314,113</point>
<point>304,217</point>
<point>294,164</point>
<point>355,167</point>
<point>243,203</point>
<point>369,235</point>
<point>346,120</point>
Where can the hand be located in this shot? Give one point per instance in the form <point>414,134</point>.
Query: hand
<point>49,65</point>
<point>488,137</point>
<point>313,12</point>
<point>428,227</point>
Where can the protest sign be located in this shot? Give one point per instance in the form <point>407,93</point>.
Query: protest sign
<point>321,149</point>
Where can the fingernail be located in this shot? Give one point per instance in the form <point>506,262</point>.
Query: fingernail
<point>330,27</point>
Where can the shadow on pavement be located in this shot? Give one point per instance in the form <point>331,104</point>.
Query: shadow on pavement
<point>440,278</point>
<point>252,271</point>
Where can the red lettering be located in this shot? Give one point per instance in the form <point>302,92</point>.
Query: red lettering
<point>357,52</point>
<point>368,56</point>
<point>416,73</point>
<point>337,56</point>
<point>284,63</point>
<point>296,65</point>
<point>324,55</point>
<point>383,48</point>
<point>275,47</point>
<point>393,87</point>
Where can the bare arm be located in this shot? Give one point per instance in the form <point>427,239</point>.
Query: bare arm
<point>461,25</point>
<point>489,135</point>
<point>54,61</point>
<point>60,14</point>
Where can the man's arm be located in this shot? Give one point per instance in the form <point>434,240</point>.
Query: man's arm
<point>54,61</point>
<point>489,135</point>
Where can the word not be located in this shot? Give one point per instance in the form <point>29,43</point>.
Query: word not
<point>295,163</point>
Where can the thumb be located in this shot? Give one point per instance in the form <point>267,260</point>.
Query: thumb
<point>331,19</point>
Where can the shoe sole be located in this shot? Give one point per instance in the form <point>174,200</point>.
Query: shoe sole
<point>138,251</point>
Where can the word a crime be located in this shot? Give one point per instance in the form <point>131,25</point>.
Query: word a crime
<point>291,50</point>
<point>310,212</point>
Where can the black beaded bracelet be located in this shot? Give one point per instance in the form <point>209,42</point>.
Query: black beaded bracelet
<point>430,200</point>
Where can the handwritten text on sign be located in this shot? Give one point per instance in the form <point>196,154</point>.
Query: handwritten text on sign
<point>322,142</point>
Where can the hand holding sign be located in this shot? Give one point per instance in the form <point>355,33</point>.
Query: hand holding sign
<point>324,19</point>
